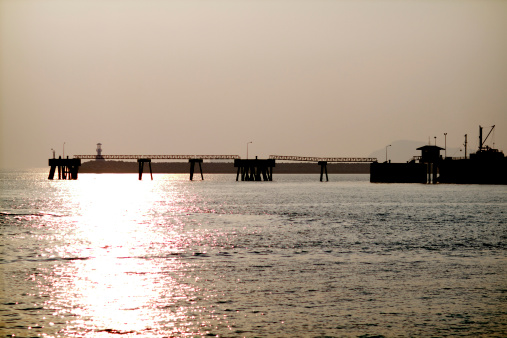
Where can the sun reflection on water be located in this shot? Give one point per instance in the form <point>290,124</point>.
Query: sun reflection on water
<point>122,279</point>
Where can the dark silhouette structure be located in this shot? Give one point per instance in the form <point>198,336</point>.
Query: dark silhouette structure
<point>141,159</point>
<point>386,172</point>
<point>250,170</point>
<point>323,161</point>
<point>430,157</point>
<point>192,162</point>
<point>323,168</point>
<point>255,170</point>
<point>486,166</point>
<point>99,156</point>
<point>141,162</point>
<point>67,168</point>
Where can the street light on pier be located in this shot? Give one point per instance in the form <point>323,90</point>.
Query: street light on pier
<point>445,145</point>
<point>53,152</point>
<point>247,149</point>
<point>63,155</point>
<point>386,152</point>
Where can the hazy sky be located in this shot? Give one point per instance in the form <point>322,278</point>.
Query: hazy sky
<point>315,78</point>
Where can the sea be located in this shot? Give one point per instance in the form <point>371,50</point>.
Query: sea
<point>107,255</point>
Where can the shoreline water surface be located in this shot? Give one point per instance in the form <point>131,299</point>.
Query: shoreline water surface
<point>108,255</point>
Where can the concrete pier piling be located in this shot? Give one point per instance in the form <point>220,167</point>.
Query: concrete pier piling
<point>192,162</point>
<point>67,168</point>
<point>254,170</point>
<point>323,168</point>
<point>141,162</point>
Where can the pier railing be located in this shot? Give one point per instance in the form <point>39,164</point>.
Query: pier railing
<point>323,159</point>
<point>158,157</point>
<point>229,157</point>
<point>454,158</point>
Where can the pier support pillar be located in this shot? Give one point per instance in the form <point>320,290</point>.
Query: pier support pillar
<point>323,168</point>
<point>67,168</point>
<point>432,171</point>
<point>255,170</point>
<point>435,172</point>
<point>141,162</point>
<point>192,162</point>
<point>51,173</point>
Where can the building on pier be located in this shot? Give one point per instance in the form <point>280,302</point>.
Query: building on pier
<point>486,166</point>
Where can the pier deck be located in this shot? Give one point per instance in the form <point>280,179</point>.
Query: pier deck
<point>250,170</point>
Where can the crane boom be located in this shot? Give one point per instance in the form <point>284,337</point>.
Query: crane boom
<point>481,142</point>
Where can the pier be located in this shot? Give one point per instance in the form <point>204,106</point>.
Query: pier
<point>255,170</point>
<point>67,168</point>
<point>422,169</point>
<point>323,161</point>
<point>248,169</point>
<point>141,162</point>
<point>142,159</point>
<point>486,166</point>
<point>192,162</point>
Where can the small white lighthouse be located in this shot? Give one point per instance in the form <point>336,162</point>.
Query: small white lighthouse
<point>99,153</point>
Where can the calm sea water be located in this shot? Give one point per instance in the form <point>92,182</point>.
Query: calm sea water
<point>110,256</point>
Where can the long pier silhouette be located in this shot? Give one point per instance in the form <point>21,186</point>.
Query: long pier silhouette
<point>248,169</point>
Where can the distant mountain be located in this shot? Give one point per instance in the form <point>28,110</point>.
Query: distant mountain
<point>218,168</point>
<point>402,151</point>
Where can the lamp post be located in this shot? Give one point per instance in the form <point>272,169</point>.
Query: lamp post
<point>63,156</point>
<point>435,140</point>
<point>53,152</point>
<point>247,149</point>
<point>466,145</point>
<point>445,145</point>
<point>386,152</point>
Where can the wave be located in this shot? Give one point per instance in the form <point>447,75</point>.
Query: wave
<point>38,214</point>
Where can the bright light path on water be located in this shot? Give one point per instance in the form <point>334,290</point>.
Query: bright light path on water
<point>111,287</point>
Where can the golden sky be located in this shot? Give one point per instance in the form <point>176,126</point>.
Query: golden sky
<point>313,78</point>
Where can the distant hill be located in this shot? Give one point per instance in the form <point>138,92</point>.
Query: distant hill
<point>402,151</point>
<point>219,168</point>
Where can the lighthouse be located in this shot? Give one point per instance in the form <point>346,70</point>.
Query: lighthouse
<point>99,153</point>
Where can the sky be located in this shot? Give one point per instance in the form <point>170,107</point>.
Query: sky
<point>308,78</point>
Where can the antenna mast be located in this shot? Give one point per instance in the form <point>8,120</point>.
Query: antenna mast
<point>465,146</point>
